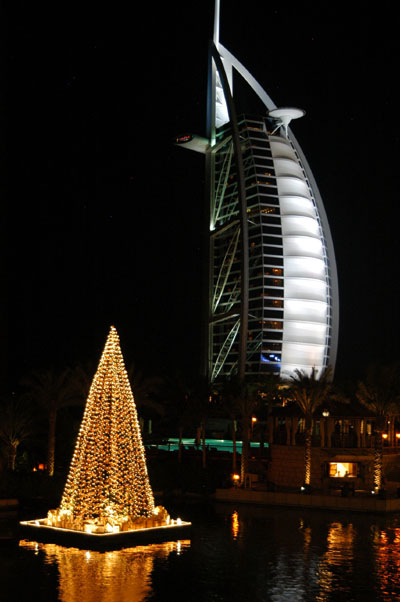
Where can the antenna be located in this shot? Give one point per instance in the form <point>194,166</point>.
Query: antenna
<point>216,22</point>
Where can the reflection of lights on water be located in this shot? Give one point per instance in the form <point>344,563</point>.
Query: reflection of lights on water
<point>306,534</point>
<point>387,554</point>
<point>339,554</point>
<point>340,537</point>
<point>307,537</point>
<point>112,576</point>
<point>235,525</point>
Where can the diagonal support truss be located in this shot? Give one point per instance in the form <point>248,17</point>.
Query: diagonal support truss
<point>222,183</point>
<point>225,269</point>
<point>252,348</point>
<point>225,349</point>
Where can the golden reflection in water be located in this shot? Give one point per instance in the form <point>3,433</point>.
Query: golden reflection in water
<point>116,576</point>
<point>339,553</point>
<point>387,555</point>
<point>235,525</point>
<point>307,536</point>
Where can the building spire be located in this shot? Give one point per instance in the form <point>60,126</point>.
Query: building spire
<point>216,23</point>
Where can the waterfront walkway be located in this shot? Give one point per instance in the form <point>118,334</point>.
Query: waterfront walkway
<point>317,500</point>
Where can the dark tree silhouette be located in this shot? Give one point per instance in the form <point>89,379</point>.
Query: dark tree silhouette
<point>16,425</point>
<point>53,390</point>
<point>380,393</point>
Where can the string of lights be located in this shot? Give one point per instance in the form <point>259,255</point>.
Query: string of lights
<point>108,488</point>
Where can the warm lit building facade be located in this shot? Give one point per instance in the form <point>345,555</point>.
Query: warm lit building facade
<point>344,441</point>
<point>273,293</point>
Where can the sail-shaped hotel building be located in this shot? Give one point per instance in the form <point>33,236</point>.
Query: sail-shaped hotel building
<point>273,290</point>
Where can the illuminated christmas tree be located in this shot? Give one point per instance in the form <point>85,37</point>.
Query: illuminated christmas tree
<point>108,488</point>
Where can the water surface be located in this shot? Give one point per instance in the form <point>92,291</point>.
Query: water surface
<point>235,554</point>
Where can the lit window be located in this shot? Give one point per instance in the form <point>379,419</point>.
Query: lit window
<point>342,469</point>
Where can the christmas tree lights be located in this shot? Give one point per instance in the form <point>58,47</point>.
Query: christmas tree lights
<point>108,488</point>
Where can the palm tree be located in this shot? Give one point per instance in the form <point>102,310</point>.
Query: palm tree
<point>16,426</point>
<point>145,390</point>
<point>248,400</point>
<point>184,412</point>
<point>240,399</point>
<point>309,392</point>
<point>201,400</point>
<point>230,406</point>
<point>179,411</point>
<point>380,393</point>
<point>184,420</point>
<point>53,390</point>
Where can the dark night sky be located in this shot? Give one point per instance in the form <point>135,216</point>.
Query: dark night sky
<point>104,214</point>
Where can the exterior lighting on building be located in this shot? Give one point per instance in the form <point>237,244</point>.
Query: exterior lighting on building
<point>384,435</point>
<point>325,413</point>
<point>282,197</point>
<point>253,423</point>
<point>183,139</point>
<point>39,467</point>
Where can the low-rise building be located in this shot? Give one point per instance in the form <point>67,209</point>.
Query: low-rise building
<point>343,448</point>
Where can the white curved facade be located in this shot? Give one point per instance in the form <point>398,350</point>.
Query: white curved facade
<point>306,316</point>
<point>290,302</point>
<point>273,291</point>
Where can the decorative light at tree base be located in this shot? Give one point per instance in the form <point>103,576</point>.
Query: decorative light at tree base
<point>109,523</point>
<point>108,489</point>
